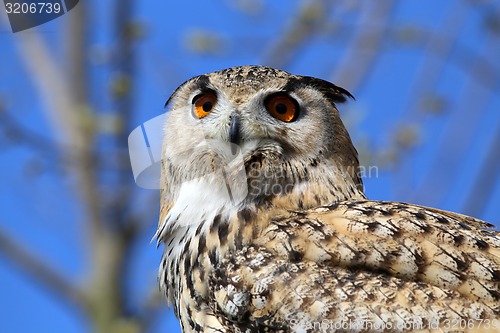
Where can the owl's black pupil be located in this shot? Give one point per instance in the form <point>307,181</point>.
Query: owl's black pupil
<point>281,108</point>
<point>207,106</point>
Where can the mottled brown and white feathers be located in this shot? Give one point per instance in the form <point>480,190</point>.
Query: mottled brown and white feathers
<point>266,227</point>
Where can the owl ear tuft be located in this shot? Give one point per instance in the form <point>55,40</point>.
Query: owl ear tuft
<point>331,91</point>
<point>201,81</point>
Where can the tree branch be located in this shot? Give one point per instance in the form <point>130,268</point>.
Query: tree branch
<point>15,132</point>
<point>440,47</point>
<point>41,273</point>
<point>488,176</point>
<point>364,49</point>
<point>48,77</point>
<point>310,17</point>
<point>154,303</point>
<point>458,135</point>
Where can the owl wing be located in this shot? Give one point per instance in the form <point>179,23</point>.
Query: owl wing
<point>363,264</point>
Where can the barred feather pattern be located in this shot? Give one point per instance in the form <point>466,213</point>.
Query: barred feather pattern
<point>317,255</point>
<point>366,265</point>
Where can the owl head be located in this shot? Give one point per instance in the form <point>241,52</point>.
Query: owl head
<point>284,128</point>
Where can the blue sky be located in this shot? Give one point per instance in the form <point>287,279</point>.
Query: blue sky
<point>448,100</point>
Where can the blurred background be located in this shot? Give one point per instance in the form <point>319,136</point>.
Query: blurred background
<point>75,230</point>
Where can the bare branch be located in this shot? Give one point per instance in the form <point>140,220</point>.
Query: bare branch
<point>458,134</point>
<point>439,54</point>
<point>484,185</point>
<point>305,24</point>
<point>41,273</point>
<point>364,48</point>
<point>154,303</point>
<point>61,110</point>
<point>16,133</point>
<point>439,48</point>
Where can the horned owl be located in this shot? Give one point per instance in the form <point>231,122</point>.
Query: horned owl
<point>266,227</point>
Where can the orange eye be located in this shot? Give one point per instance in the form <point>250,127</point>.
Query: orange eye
<point>203,104</point>
<point>282,107</point>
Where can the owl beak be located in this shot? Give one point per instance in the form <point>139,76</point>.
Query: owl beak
<point>234,132</point>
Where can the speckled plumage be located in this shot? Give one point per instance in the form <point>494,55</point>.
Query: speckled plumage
<point>296,246</point>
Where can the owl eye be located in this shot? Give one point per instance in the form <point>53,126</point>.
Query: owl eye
<point>282,107</point>
<point>203,104</point>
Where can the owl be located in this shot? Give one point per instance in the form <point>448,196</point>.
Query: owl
<point>266,227</point>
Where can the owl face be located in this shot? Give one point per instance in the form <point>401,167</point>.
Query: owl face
<point>269,117</point>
